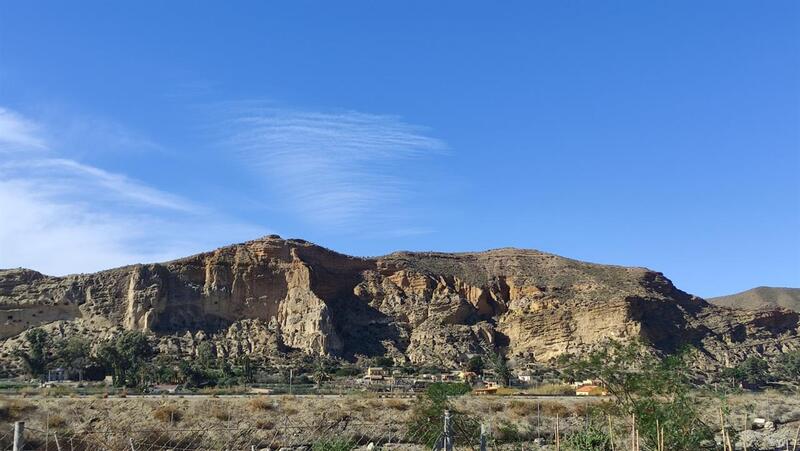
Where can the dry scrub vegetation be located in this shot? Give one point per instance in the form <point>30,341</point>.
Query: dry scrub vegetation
<point>507,415</point>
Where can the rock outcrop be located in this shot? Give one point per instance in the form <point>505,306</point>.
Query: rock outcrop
<point>272,296</point>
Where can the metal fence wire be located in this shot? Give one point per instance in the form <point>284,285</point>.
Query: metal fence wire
<point>450,432</point>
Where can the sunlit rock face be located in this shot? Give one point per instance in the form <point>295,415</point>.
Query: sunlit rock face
<point>273,297</point>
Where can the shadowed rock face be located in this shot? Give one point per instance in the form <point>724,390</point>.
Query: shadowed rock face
<point>273,295</point>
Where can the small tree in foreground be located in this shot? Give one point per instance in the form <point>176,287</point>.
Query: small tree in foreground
<point>426,418</point>
<point>654,390</point>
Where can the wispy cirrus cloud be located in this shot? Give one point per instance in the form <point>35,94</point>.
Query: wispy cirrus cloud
<point>62,216</point>
<point>337,169</point>
<point>18,133</point>
<point>69,179</point>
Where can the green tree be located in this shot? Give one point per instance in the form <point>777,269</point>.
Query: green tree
<point>124,356</point>
<point>320,373</point>
<point>474,364</point>
<point>73,354</point>
<point>35,358</point>
<point>788,366</point>
<point>752,371</point>
<point>247,369</point>
<point>206,355</point>
<point>755,371</point>
<point>189,374</point>
<point>654,390</point>
<point>166,369</point>
<point>426,418</point>
<point>499,364</point>
<point>382,361</point>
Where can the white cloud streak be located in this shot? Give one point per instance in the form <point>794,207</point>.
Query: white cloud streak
<point>18,133</point>
<point>63,177</point>
<point>334,169</point>
<point>60,216</point>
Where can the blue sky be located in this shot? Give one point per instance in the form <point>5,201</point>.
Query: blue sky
<point>658,134</point>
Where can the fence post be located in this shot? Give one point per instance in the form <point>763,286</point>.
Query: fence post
<point>448,432</point>
<point>484,434</point>
<point>19,432</point>
<point>538,421</point>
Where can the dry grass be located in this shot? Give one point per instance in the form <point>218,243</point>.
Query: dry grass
<point>551,408</point>
<point>522,408</point>
<point>15,409</point>
<point>354,404</point>
<point>496,407</point>
<point>265,425</point>
<point>552,389</point>
<point>222,413</point>
<point>56,422</point>
<point>398,404</point>
<point>167,414</point>
<point>261,403</point>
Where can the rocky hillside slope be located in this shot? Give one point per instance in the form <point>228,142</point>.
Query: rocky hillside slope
<point>761,297</point>
<point>273,296</point>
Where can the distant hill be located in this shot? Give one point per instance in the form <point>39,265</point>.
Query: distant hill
<point>762,297</point>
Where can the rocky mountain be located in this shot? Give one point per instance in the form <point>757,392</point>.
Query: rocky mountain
<point>762,297</point>
<point>272,297</point>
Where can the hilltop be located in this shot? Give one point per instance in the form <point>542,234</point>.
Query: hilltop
<point>762,297</point>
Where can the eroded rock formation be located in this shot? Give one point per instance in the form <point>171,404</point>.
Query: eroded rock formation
<point>272,295</point>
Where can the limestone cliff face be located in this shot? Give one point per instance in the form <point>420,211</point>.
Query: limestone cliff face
<point>273,295</point>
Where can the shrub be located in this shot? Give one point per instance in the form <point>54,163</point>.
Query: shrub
<point>652,389</point>
<point>58,391</point>
<point>220,413</point>
<point>589,439</point>
<point>56,422</point>
<point>261,403</point>
<point>353,404</point>
<point>428,410</point>
<point>554,408</point>
<point>333,444</point>
<point>553,389</point>
<point>522,408</point>
<point>347,371</point>
<point>441,390</point>
<point>789,366</point>
<point>289,411</point>
<point>496,407</point>
<point>510,432</point>
<point>265,425</point>
<point>397,404</point>
<point>14,409</point>
<point>167,414</point>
